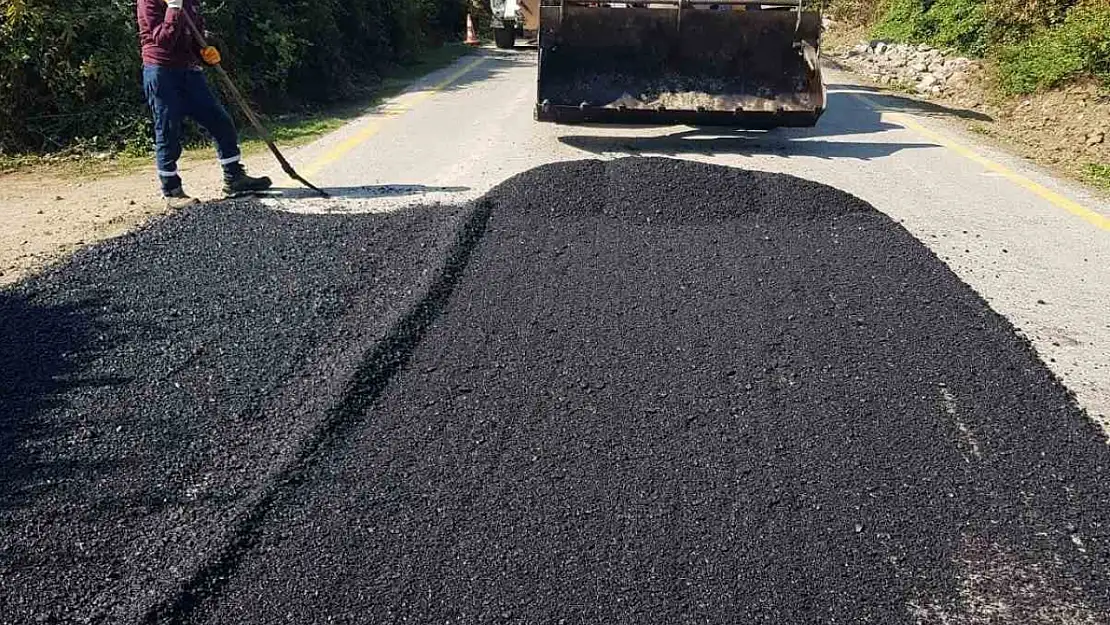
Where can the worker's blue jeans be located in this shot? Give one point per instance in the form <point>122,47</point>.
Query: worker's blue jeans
<point>173,95</point>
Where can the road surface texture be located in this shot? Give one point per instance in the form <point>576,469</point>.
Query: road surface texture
<point>160,386</point>
<point>747,398</point>
<point>1045,269</point>
<point>632,390</point>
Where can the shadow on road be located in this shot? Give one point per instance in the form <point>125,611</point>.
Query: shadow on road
<point>846,116</point>
<point>896,103</point>
<point>43,350</point>
<point>712,143</point>
<point>495,62</point>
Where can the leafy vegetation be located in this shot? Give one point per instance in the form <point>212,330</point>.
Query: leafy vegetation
<point>1080,45</point>
<point>70,69</point>
<point>902,21</point>
<point>958,24</point>
<point>1035,44</point>
<point>1098,174</point>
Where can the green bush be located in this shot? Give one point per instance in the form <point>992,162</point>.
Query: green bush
<point>957,24</point>
<point>70,69</point>
<point>1080,45</point>
<point>901,21</point>
<point>1014,21</point>
<point>60,80</point>
<point>1099,174</point>
<point>1037,44</point>
<point>857,12</point>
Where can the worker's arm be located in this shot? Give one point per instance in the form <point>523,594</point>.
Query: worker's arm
<point>162,19</point>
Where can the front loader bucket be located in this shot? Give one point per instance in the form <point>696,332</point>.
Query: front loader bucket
<point>675,63</point>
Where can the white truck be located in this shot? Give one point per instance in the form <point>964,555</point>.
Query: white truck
<point>512,18</point>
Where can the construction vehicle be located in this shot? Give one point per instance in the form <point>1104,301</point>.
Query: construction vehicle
<point>749,64</point>
<point>513,18</point>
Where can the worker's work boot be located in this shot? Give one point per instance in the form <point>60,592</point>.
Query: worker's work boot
<point>177,199</point>
<point>237,183</point>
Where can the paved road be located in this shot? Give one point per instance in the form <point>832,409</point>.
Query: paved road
<point>583,398</point>
<point>1045,268</point>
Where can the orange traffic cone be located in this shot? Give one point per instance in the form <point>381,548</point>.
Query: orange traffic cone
<point>471,34</point>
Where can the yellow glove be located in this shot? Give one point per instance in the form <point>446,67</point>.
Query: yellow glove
<point>210,55</point>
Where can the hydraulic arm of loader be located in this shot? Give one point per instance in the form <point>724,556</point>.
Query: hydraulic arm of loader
<point>752,65</point>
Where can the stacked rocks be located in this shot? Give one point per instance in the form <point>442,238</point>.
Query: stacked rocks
<point>924,68</point>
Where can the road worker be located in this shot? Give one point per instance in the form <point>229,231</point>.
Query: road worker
<point>176,88</point>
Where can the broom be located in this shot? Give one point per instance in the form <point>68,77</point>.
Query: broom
<point>251,117</point>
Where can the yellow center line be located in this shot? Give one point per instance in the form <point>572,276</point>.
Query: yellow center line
<point>1056,199</point>
<point>394,108</point>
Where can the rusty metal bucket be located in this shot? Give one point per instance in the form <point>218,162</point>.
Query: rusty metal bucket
<point>678,62</point>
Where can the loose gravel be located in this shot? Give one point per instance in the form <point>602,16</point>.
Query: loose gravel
<point>159,388</point>
<point>665,392</point>
<point>641,391</point>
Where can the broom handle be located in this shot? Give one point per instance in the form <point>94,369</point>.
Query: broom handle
<point>245,107</point>
<point>227,82</point>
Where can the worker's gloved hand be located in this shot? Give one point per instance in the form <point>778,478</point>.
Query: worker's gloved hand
<point>175,4</point>
<point>210,55</point>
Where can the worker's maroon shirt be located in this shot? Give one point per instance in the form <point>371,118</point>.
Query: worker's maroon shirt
<point>165,36</point>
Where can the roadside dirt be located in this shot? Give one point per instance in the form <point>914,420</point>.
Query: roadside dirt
<point>46,215</point>
<point>1066,129</point>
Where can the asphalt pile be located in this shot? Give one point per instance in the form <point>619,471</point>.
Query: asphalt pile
<point>638,391</point>
<point>666,392</point>
<point>158,388</point>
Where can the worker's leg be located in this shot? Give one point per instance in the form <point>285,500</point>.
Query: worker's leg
<point>213,117</point>
<point>203,107</point>
<point>164,88</point>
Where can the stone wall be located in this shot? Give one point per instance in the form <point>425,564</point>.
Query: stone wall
<point>920,67</point>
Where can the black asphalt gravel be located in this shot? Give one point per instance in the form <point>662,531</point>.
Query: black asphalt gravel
<point>157,389</point>
<point>642,391</point>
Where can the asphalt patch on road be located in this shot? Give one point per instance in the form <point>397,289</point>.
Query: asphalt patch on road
<point>641,391</point>
<point>160,391</point>
<point>667,392</point>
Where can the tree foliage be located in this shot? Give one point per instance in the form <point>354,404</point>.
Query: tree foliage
<point>1079,45</point>
<point>1035,44</point>
<point>70,69</point>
